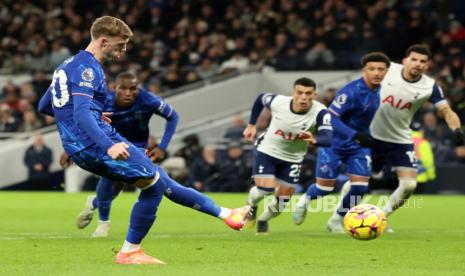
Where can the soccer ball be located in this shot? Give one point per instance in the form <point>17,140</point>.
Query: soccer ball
<point>365,222</point>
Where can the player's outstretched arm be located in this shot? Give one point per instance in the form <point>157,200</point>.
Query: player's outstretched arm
<point>261,101</point>
<point>363,139</point>
<point>83,117</point>
<point>172,120</point>
<point>453,121</point>
<point>166,111</point>
<point>45,104</point>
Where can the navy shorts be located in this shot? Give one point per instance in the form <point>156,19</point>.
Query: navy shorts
<point>329,161</point>
<point>396,155</point>
<point>265,165</point>
<point>96,160</point>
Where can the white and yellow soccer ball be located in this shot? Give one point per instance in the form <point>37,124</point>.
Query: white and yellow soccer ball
<point>365,222</point>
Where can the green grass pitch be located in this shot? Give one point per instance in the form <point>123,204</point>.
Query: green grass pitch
<point>38,237</point>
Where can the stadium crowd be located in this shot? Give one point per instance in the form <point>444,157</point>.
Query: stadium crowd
<point>182,42</point>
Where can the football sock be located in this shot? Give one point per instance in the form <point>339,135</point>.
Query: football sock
<point>400,195</point>
<point>225,212</point>
<point>190,197</point>
<point>256,194</point>
<point>144,212</point>
<point>127,246</point>
<point>315,190</point>
<point>103,199</point>
<point>353,197</point>
<point>274,208</point>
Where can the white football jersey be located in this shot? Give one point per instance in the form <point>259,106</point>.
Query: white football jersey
<point>281,139</point>
<point>400,99</point>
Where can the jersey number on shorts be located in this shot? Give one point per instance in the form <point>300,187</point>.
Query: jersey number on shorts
<point>60,77</point>
<point>412,156</point>
<point>295,170</point>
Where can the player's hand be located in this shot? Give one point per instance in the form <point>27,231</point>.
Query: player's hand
<point>459,137</point>
<point>106,117</point>
<point>157,154</point>
<point>65,161</point>
<point>119,151</point>
<point>249,132</point>
<point>308,137</point>
<point>364,140</point>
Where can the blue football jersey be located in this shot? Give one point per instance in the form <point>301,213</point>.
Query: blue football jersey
<point>133,122</point>
<point>79,75</point>
<point>355,104</point>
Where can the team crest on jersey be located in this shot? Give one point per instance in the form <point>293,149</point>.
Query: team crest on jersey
<point>341,99</point>
<point>88,74</point>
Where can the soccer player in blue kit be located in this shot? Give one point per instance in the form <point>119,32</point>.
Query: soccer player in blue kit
<point>78,94</point>
<point>352,111</point>
<point>131,109</point>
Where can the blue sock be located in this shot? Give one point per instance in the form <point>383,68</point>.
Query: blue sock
<point>144,212</point>
<point>104,197</point>
<point>352,198</point>
<point>314,191</point>
<point>188,197</point>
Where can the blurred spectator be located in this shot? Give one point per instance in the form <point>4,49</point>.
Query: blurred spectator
<point>38,158</point>
<point>234,170</point>
<point>237,62</point>
<point>235,132</point>
<point>58,54</point>
<point>320,57</point>
<point>11,96</point>
<point>191,149</point>
<point>40,82</point>
<point>204,170</point>
<point>327,96</point>
<point>434,131</point>
<point>207,69</point>
<point>30,121</point>
<point>8,122</point>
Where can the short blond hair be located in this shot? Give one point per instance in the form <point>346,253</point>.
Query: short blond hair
<point>110,26</point>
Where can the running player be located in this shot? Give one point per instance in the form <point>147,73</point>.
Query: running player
<point>403,91</point>
<point>352,110</point>
<point>296,122</point>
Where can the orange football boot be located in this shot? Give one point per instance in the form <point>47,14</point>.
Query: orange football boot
<point>136,257</point>
<point>237,218</point>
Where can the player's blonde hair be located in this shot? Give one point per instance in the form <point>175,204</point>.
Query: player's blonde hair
<point>110,26</point>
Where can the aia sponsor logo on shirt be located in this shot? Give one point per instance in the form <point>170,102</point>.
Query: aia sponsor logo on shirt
<point>397,103</point>
<point>288,136</point>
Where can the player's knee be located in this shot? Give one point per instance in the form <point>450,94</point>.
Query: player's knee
<point>409,184</point>
<point>145,183</point>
